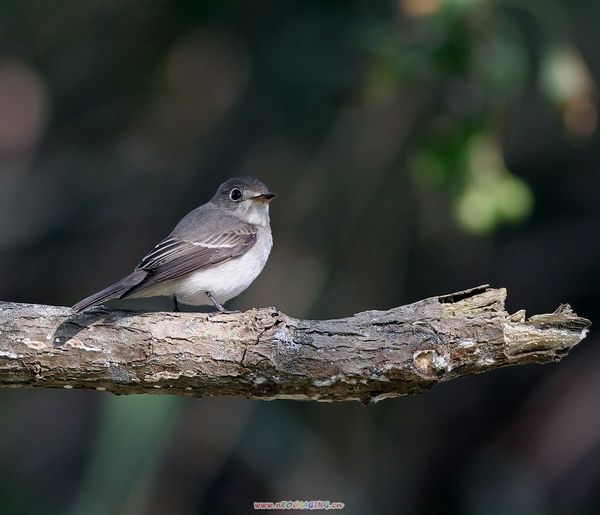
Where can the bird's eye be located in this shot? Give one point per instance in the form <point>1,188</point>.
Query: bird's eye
<point>235,194</point>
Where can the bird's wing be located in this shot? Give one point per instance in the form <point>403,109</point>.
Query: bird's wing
<point>175,257</point>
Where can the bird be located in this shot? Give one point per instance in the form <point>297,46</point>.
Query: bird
<point>212,255</point>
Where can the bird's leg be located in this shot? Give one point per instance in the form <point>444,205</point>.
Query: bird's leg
<point>218,305</point>
<point>175,304</point>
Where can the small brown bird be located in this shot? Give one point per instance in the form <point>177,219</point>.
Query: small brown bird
<point>213,254</point>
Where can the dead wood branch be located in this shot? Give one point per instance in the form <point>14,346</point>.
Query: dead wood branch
<point>265,354</point>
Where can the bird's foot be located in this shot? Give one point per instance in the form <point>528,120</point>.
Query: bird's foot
<point>219,306</point>
<point>223,312</point>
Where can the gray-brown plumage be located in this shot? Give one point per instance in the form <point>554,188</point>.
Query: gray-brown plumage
<point>213,253</point>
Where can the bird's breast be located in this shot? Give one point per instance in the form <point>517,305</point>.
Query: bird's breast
<point>228,279</point>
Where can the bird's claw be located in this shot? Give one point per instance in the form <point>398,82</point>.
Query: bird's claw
<point>223,312</point>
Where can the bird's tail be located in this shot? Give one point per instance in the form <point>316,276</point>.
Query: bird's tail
<point>115,291</point>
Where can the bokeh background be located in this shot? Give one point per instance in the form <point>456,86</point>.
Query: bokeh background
<point>418,147</point>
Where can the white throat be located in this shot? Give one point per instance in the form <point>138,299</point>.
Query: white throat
<point>257,214</point>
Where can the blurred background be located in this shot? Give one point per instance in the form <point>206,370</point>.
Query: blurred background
<point>418,147</point>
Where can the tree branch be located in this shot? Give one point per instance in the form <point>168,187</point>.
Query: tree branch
<point>264,354</point>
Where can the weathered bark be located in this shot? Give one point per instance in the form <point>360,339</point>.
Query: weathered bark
<point>264,354</point>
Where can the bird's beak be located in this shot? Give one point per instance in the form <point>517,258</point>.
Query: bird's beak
<point>264,197</point>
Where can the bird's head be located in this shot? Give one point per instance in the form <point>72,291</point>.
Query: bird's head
<point>245,197</point>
